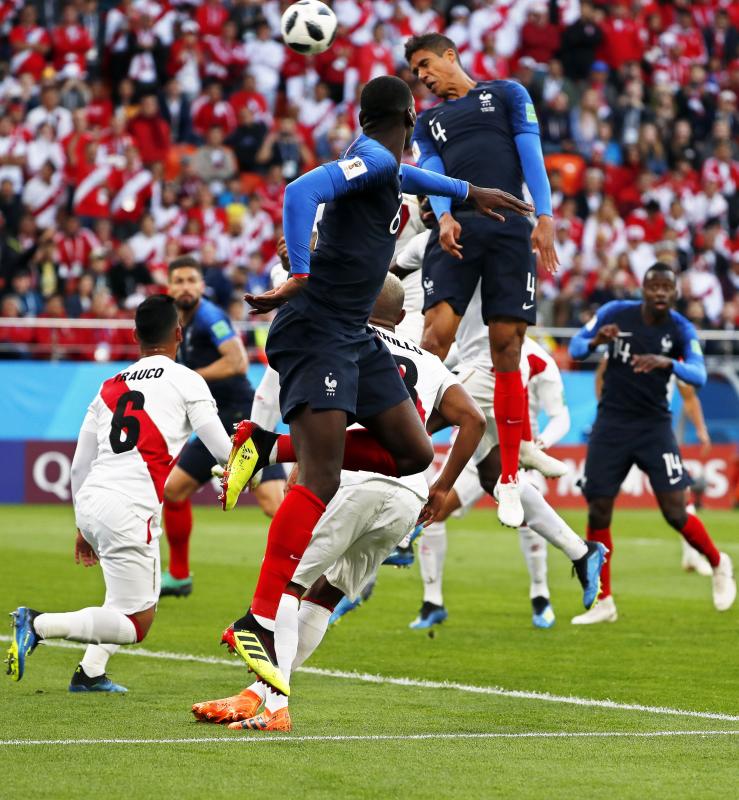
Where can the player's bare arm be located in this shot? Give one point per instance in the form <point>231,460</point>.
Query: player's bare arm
<point>459,409</point>
<point>542,241</point>
<point>233,361</point>
<point>694,412</point>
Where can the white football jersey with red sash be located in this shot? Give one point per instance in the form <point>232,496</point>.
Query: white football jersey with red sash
<point>142,417</point>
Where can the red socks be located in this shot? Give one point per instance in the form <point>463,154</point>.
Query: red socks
<point>696,536</point>
<point>526,435</point>
<point>604,537</point>
<point>509,406</point>
<point>289,535</point>
<point>361,452</point>
<point>178,527</point>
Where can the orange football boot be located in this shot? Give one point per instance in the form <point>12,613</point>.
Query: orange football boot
<point>239,706</point>
<point>279,721</point>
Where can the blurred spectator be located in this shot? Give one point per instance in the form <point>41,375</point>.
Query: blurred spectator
<point>285,149</point>
<point>128,278</point>
<point>150,131</point>
<point>215,162</point>
<point>580,40</point>
<point>175,110</point>
<point>247,139</point>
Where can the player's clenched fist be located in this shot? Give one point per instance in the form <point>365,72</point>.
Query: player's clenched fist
<point>606,333</point>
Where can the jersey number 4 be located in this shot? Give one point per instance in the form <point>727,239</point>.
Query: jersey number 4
<point>126,422</point>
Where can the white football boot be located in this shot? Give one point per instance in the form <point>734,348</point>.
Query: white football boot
<point>693,561</point>
<point>532,457</point>
<point>510,510</point>
<point>604,611</point>
<point>724,585</point>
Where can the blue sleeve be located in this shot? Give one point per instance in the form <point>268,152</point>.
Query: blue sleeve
<point>520,108</point>
<point>580,345</point>
<point>321,185</point>
<point>534,171</point>
<point>217,323</point>
<point>422,181</point>
<point>427,157</point>
<point>692,369</point>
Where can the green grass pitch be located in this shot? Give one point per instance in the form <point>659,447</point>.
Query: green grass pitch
<point>668,649</point>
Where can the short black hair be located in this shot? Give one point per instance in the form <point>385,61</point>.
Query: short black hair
<point>184,262</point>
<point>660,267</point>
<point>156,318</point>
<point>384,99</point>
<point>434,42</point>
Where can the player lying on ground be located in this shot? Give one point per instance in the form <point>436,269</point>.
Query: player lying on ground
<point>131,434</point>
<point>212,348</point>
<point>332,369</point>
<point>369,515</point>
<point>648,343</point>
<point>483,130</point>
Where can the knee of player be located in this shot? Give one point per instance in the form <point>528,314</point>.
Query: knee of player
<point>269,496</point>
<point>675,517</point>
<point>142,621</point>
<point>174,493</point>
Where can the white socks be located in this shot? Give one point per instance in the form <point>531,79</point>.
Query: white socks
<point>299,629</point>
<point>94,625</point>
<point>431,557</point>
<point>96,658</point>
<point>545,521</point>
<point>534,550</point>
<point>265,622</point>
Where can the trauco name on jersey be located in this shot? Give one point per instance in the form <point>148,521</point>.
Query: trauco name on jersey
<point>140,374</point>
<point>388,337</point>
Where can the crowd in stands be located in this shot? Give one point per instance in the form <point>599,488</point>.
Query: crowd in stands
<point>134,133</point>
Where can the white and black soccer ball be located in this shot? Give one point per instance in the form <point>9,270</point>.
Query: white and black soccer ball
<point>308,27</point>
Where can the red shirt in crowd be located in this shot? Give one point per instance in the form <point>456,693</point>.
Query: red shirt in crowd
<point>152,136</point>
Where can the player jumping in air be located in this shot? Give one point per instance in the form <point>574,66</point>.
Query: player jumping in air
<point>212,348</point>
<point>133,430</point>
<point>332,369</point>
<point>363,523</point>
<point>487,131</point>
<point>648,343</point>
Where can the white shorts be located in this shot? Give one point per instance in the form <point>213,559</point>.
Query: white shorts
<point>127,546</point>
<point>361,526</point>
<point>481,385</point>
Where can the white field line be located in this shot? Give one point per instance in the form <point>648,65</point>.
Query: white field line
<point>419,683</point>
<point>238,738</point>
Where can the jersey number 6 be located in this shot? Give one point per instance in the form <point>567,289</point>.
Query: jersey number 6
<point>123,421</point>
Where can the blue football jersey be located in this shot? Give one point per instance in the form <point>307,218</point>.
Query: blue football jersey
<point>642,395</point>
<point>356,237</point>
<point>475,135</point>
<point>208,328</point>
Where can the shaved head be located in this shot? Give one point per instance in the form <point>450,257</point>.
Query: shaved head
<point>388,308</point>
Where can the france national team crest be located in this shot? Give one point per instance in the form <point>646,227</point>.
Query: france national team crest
<point>486,102</point>
<point>666,343</point>
<point>331,384</point>
<point>428,285</point>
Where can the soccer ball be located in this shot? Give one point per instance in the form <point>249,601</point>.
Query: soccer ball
<point>308,27</point>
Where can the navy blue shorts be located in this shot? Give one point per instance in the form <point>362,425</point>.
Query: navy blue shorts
<point>615,445</point>
<point>327,369</point>
<point>196,460</point>
<point>498,254</point>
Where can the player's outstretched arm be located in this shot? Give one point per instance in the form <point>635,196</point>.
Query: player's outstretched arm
<point>598,330</point>
<point>456,408</point>
<point>421,181</point>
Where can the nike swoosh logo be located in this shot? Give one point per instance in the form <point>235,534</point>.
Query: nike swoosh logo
<point>294,558</point>
<point>527,306</point>
<point>673,481</point>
